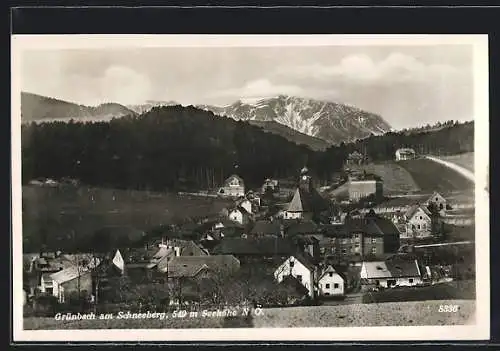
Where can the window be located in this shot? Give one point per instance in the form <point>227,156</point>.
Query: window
<point>292,264</point>
<point>410,280</point>
<point>327,294</point>
<point>299,278</point>
<point>336,286</point>
<point>330,274</point>
<point>424,226</point>
<point>344,251</point>
<point>327,286</point>
<point>374,240</point>
<point>374,250</point>
<point>49,291</point>
<point>418,226</point>
<point>420,217</point>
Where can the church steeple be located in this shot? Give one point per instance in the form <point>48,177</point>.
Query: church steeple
<point>305,181</point>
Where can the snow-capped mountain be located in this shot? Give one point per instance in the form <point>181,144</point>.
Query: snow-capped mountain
<point>332,122</point>
<point>149,104</point>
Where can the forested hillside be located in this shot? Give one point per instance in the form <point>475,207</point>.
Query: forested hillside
<point>178,147</point>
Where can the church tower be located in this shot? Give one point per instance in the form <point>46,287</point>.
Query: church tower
<point>305,181</point>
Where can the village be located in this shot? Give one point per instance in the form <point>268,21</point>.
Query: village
<point>286,243</point>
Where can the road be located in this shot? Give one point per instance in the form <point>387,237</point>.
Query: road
<point>466,173</point>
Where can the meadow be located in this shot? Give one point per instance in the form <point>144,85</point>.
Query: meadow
<point>465,160</point>
<point>431,176</point>
<point>66,215</point>
<point>363,315</point>
<point>396,178</point>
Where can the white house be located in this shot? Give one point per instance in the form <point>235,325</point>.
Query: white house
<point>300,268</point>
<point>330,283</point>
<point>239,215</point>
<point>388,274</point>
<point>405,154</point>
<point>233,187</point>
<point>418,222</point>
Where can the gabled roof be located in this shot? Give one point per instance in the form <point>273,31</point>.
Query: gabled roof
<point>435,194</point>
<point>329,269</point>
<point>306,259</point>
<point>68,274</point>
<point>265,246</point>
<point>293,227</point>
<point>403,268</point>
<point>392,269</point>
<point>243,211</point>
<point>307,201</point>
<point>377,269</point>
<point>189,266</point>
<point>266,228</point>
<point>231,177</point>
<point>413,209</point>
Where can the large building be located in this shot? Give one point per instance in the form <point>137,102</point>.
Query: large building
<point>405,154</point>
<point>360,237</point>
<point>362,187</point>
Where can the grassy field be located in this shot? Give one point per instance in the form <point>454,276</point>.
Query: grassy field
<point>396,178</point>
<point>60,211</point>
<point>465,160</point>
<point>361,315</point>
<point>431,176</point>
<point>462,290</point>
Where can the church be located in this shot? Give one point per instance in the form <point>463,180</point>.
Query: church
<point>306,201</point>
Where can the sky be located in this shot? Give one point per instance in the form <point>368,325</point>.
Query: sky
<point>407,85</point>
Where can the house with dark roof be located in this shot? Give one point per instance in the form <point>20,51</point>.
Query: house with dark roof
<point>256,248</point>
<point>391,273</point>
<point>266,228</point>
<point>301,267</point>
<point>300,227</point>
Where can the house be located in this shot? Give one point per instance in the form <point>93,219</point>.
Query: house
<point>391,273</point>
<point>239,215</point>
<point>300,267</point>
<point>330,283</point>
<point>416,222</point>
<point>438,200</point>
<point>267,228</point>
<point>234,186</point>
<point>69,282</point>
<point>354,159</point>
<point>364,186</point>
<point>306,201</point>
<point>405,154</point>
<point>270,185</point>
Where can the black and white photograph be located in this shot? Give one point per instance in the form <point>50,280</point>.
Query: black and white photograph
<point>250,187</point>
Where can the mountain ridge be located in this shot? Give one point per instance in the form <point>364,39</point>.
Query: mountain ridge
<point>330,121</point>
<point>35,107</point>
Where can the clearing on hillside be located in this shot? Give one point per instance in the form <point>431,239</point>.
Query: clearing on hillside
<point>396,179</point>
<point>465,160</point>
<point>431,176</point>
